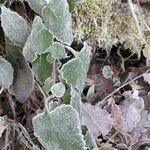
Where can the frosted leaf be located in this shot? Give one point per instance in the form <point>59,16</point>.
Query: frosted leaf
<point>76,100</point>
<point>57,19</point>
<point>42,68</point>
<point>37,5</point>
<point>146,77</point>
<point>6,73</point>
<point>131,109</point>
<point>23,81</point>
<point>90,141</point>
<point>75,70</point>
<point>58,89</point>
<point>59,129</point>
<point>14,26</point>
<point>96,119</point>
<point>57,50</point>
<point>118,118</point>
<point>107,72</point>
<point>47,85</point>
<point>38,41</point>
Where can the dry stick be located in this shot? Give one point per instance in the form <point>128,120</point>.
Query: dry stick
<point>106,98</point>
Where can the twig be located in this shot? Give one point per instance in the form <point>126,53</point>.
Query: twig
<point>41,90</point>
<point>106,98</point>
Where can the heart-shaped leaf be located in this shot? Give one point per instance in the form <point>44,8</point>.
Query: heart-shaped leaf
<point>59,129</point>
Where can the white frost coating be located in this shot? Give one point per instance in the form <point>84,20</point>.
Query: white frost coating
<point>58,89</point>
<point>90,141</point>
<point>76,100</point>
<point>38,41</point>
<point>59,129</point>
<point>58,20</point>
<point>57,50</point>
<point>14,26</point>
<point>96,119</point>
<point>75,70</point>
<point>37,5</point>
<point>6,73</point>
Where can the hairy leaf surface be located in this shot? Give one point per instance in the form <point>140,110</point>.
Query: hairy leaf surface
<point>38,41</point>
<point>75,70</point>
<point>37,5</point>
<point>57,50</point>
<point>57,18</point>
<point>58,89</point>
<point>14,26</point>
<point>76,100</point>
<point>90,141</point>
<point>42,68</point>
<point>59,129</point>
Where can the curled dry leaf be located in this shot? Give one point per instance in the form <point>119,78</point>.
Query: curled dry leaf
<point>96,119</point>
<point>23,82</point>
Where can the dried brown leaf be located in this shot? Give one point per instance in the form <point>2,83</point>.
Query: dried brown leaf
<point>96,119</point>
<point>118,118</point>
<point>131,109</point>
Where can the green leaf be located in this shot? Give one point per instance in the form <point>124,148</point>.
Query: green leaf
<point>14,26</point>
<point>38,41</point>
<point>57,19</point>
<point>58,89</point>
<point>42,68</point>
<point>59,129</point>
<point>6,73</point>
<point>23,82</point>
<point>37,5</point>
<point>57,51</point>
<point>75,70</point>
<point>50,59</point>
<point>47,85</point>
<point>90,141</point>
<point>76,100</point>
